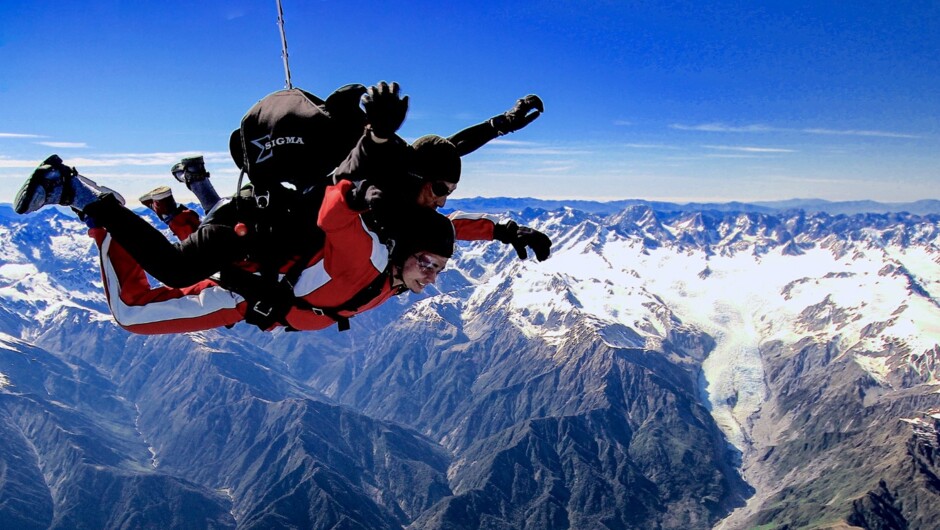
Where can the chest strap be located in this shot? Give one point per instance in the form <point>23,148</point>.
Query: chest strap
<point>365,295</point>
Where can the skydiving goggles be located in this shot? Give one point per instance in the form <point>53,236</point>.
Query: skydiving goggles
<point>426,264</point>
<point>440,188</point>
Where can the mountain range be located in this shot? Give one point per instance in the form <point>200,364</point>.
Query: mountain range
<point>669,367</point>
<point>503,204</point>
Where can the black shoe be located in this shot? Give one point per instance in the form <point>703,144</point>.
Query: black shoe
<point>189,170</point>
<point>161,201</point>
<point>50,183</point>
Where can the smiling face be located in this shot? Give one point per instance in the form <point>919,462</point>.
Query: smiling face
<point>433,194</point>
<point>421,269</point>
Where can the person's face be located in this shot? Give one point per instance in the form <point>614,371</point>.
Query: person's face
<point>434,193</point>
<point>421,269</point>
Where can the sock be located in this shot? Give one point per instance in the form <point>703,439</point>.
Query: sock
<point>83,194</point>
<point>205,192</point>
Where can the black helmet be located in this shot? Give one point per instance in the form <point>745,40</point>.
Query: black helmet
<point>435,158</point>
<point>419,229</point>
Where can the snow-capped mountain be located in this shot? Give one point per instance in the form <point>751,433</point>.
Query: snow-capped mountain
<point>819,325</point>
<point>666,368</point>
<point>745,280</point>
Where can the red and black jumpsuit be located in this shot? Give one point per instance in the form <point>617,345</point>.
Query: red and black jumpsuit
<point>352,257</point>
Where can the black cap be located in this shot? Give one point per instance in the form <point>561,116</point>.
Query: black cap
<point>419,229</point>
<point>435,158</point>
<point>235,148</point>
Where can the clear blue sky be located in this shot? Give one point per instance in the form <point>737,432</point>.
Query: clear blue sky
<point>656,100</point>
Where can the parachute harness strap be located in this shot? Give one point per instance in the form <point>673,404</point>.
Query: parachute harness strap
<point>244,171</point>
<point>280,23</point>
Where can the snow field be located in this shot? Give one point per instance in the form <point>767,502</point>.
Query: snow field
<point>741,299</point>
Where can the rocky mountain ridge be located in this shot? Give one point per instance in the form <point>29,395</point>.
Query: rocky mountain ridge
<point>664,369</point>
<point>502,204</point>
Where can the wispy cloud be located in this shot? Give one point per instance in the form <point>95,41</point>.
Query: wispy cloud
<point>554,166</point>
<point>651,146</point>
<point>17,163</point>
<point>124,159</point>
<point>519,147</point>
<point>749,149</point>
<point>544,151</point>
<point>810,180</point>
<point>19,135</point>
<point>853,132</point>
<point>730,155</point>
<point>759,128</point>
<point>622,123</point>
<point>558,169</point>
<point>721,127</point>
<point>503,142</point>
<point>64,145</point>
<point>144,159</point>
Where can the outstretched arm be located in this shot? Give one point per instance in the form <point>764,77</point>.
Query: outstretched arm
<point>522,237</point>
<point>482,227</point>
<point>524,112</point>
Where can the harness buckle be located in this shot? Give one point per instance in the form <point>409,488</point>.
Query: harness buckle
<point>263,200</point>
<point>264,310</point>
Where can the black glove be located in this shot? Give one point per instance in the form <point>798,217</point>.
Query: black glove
<point>523,113</point>
<point>521,237</point>
<point>365,196</point>
<point>385,108</point>
<point>270,308</point>
<point>373,197</point>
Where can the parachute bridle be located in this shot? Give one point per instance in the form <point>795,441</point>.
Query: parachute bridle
<point>287,85</point>
<point>280,24</point>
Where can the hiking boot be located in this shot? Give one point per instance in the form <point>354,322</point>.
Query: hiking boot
<point>50,183</point>
<point>161,201</point>
<point>189,170</point>
<point>56,183</point>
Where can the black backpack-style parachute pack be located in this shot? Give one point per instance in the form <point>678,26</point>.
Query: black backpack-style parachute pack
<point>291,139</point>
<point>287,145</point>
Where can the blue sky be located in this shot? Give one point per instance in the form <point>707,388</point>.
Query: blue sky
<point>682,101</point>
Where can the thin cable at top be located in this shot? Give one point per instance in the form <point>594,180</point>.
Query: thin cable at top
<point>280,23</point>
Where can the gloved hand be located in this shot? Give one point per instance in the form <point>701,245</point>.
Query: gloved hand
<point>385,108</point>
<point>365,196</point>
<point>523,113</point>
<point>373,197</point>
<point>521,237</point>
<point>270,308</point>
